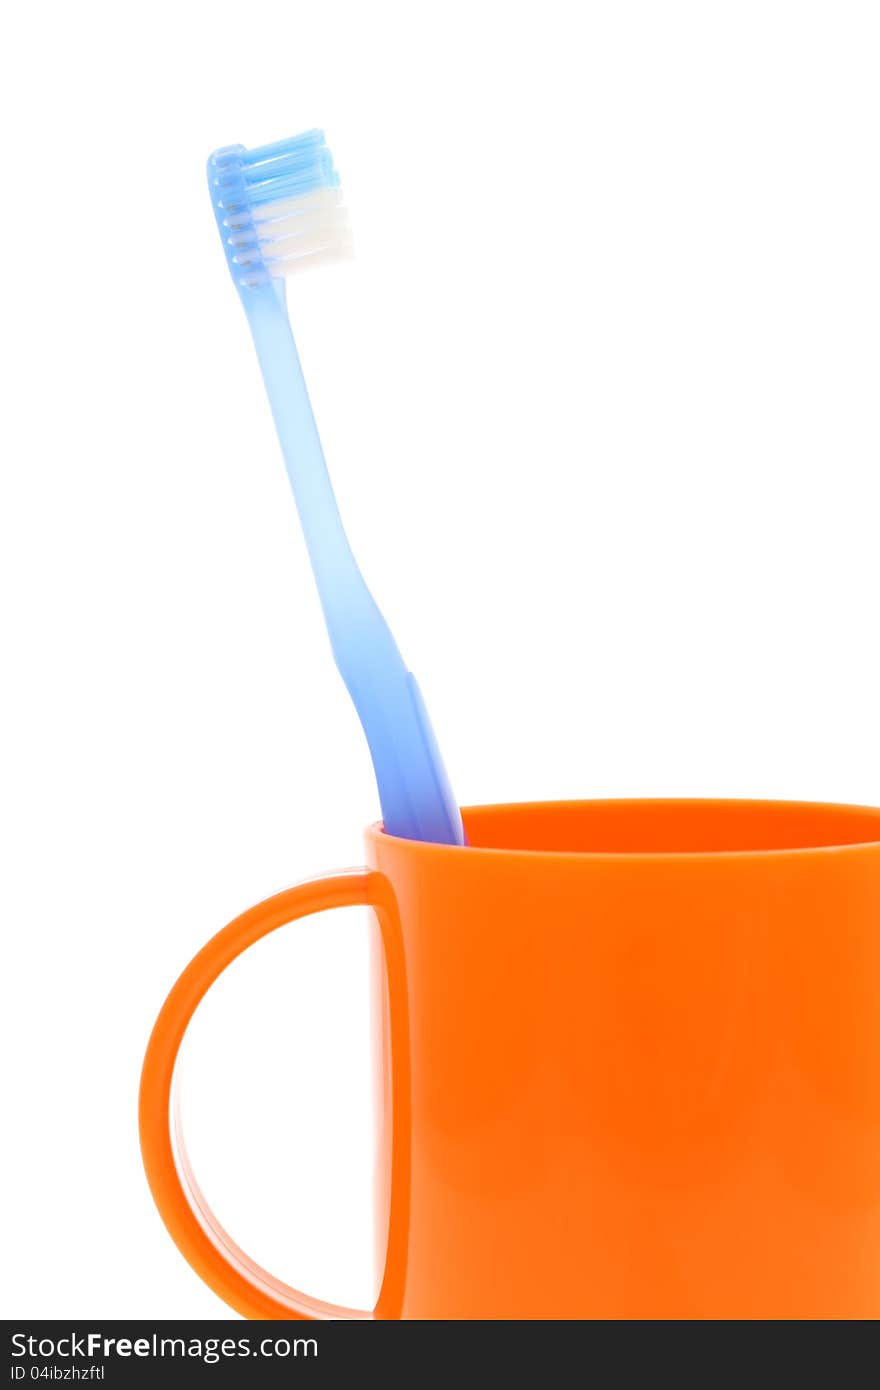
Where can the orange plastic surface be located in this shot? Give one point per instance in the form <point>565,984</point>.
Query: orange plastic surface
<point>634,1053</point>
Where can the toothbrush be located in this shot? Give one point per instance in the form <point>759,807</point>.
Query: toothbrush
<point>279,210</point>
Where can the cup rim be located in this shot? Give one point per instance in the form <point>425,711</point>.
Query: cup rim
<point>846,811</point>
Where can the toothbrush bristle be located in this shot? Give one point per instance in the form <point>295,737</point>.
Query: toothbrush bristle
<point>279,208</point>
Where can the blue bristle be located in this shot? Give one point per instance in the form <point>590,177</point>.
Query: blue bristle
<point>310,139</point>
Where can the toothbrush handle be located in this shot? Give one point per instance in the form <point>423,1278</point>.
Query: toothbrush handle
<point>417,801</point>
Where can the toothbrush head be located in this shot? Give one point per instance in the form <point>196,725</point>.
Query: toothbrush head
<point>278,207</point>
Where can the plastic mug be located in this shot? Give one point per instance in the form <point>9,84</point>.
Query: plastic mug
<point>632,1055</point>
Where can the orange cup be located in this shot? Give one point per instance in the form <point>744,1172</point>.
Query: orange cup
<point>632,1054</point>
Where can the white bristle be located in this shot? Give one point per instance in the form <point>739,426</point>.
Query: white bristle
<point>325,255</point>
<point>323,199</point>
<point>291,230</point>
<point>299,233</point>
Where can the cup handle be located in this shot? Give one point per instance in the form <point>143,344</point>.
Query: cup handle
<point>242,1283</point>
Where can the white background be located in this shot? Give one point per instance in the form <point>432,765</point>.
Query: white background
<point>600,401</point>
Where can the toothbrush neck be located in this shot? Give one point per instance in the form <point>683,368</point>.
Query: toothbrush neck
<point>329,551</point>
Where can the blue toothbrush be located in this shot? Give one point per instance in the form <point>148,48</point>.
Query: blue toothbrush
<point>279,210</point>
